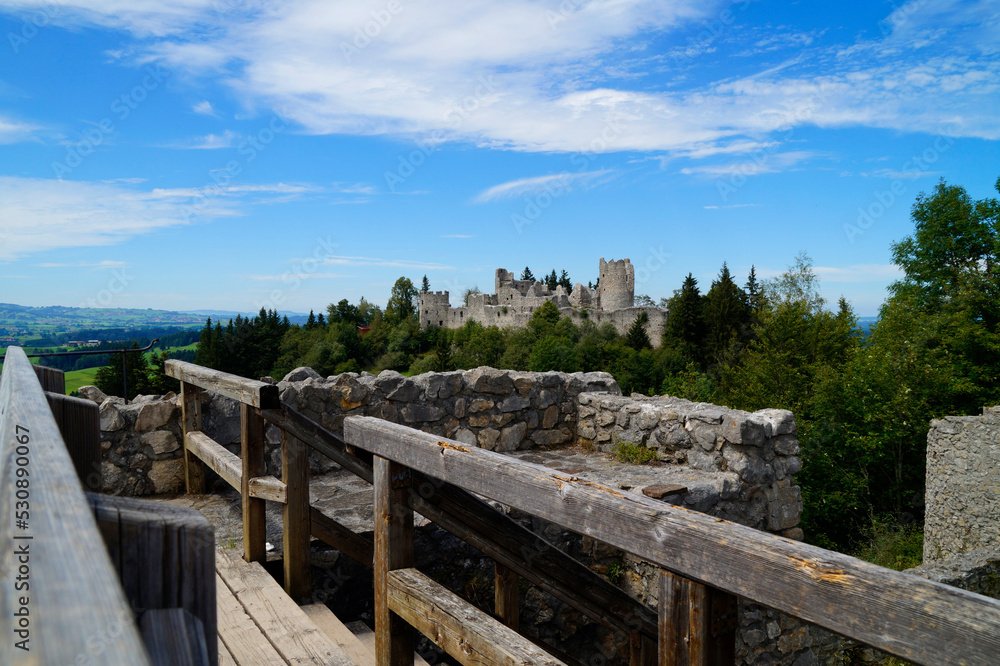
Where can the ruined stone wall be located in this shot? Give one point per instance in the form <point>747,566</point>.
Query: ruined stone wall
<point>963,484</point>
<point>617,284</point>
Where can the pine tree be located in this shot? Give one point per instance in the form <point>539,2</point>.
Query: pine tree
<point>204,355</point>
<point>754,293</point>
<point>685,328</point>
<point>565,281</point>
<point>320,320</point>
<point>637,338</point>
<point>552,281</point>
<point>725,314</point>
<point>527,274</point>
<point>425,285</point>
<point>310,322</point>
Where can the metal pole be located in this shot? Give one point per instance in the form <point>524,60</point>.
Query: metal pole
<point>124,376</point>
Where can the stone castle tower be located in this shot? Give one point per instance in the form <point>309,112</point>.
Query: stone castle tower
<point>617,284</point>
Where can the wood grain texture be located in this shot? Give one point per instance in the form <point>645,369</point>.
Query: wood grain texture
<point>164,555</point>
<point>245,391</point>
<point>907,616</point>
<point>493,533</point>
<point>228,466</point>
<point>506,595</point>
<point>459,628</point>
<point>52,380</point>
<point>359,548</point>
<point>174,637</point>
<point>225,658</point>
<point>79,424</point>
<point>243,640</point>
<point>75,596</point>
<point>295,516</point>
<point>252,458</point>
<point>394,638</point>
<point>286,626</point>
<point>338,632</point>
<point>194,469</point>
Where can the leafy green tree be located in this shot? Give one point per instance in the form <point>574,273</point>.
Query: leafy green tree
<point>643,301</point>
<point>402,301</point>
<point>469,292</point>
<point>343,311</point>
<point>553,353</point>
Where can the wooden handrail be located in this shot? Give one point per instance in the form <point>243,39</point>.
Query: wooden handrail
<point>919,620</point>
<point>60,587</point>
<point>247,391</point>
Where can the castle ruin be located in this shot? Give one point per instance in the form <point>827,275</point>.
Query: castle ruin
<point>514,301</point>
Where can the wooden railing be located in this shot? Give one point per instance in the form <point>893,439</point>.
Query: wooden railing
<point>61,602</point>
<point>706,563</point>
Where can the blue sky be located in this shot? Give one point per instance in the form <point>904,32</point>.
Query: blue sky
<point>235,154</point>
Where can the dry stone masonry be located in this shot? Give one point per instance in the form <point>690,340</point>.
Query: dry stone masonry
<point>963,484</point>
<point>514,301</point>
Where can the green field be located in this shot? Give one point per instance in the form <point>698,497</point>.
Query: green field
<point>78,378</point>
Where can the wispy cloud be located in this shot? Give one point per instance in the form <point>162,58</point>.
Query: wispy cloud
<point>84,264</point>
<point>204,108</point>
<point>765,163</point>
<point>338,260</point>
<point>557,182</point>
<point>13,131</point>
<point>227,139</point>
<point>300,275</point>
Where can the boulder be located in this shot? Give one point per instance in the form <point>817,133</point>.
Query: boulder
<point>301,374</point>
<point>154,415</point>
<point>93,393</point>
<point>161,441</point>
<point>167,476</point>
<point>111,417</point>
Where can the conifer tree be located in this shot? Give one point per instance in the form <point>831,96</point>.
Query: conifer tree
<point>425,285</point>
<point>526,274</point>
<point>637,338</point>
<point>685,328</point>
<point>565,282</point>
<point>551,281</point>
<point>725,314</point>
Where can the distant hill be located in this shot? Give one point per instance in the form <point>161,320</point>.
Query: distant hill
<point>865,323</point>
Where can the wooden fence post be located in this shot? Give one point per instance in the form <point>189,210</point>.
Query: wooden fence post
<point>79,424</point>
<point>394,641</point>
<point>52,380</point>
<point>697,623</point>
<point>194,469</point>
<point>506,595</point>
<point>252,450</point>
<point>295,516</point>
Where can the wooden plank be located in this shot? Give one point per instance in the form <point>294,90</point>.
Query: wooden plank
<point>74,591</point>
<point>252,456</point>
<point>246,391</point>
<point>907,616</point>
<point>355,546</point>
<point>79,423</point>
<point>243,640</point>
<point>506,595</point>
<point>697,624</point>
<point>169,555</point>
<point>174,637</point>
<point>338,632</point>
<point>227,464</point>
<point>459,628</point>
<point>52,380</point>
<point>286,626</point>
<point>194,469</point>
<point>225,658</point>
<point>493,533</point>
<point>394,639</point>
<point>296,533</point>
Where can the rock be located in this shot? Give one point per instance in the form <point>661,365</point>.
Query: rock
<point>167,476</point>
<point>738,429</point>
<point>551,417</point>
<point>459,409</point>
<point>161,441</point>
<point>416,411</point>
<point>778,421</point>
<point>301,374</point>
<point>466,436</point>
<point>510,437</point>
<point>490,380</point>
<point>784,506</point>
<point>794,641</point>
<point>514,403</point>
<point>488,438</point>
<point>659,491</point>
<point>111,417</point>
<point>154,415</point>
<point>220,419</point>
<point>112,479</point>
<point>786,445</point>
<point>92,393</point>
<point>144,399</point>
<point>480,405</point>
<point>551,437</point>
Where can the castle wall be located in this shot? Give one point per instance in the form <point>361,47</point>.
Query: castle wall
<point>617,284</point>
<point>963,484</point>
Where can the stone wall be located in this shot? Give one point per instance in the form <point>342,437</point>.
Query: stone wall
<point>963,484</point>
<point>757,453</point>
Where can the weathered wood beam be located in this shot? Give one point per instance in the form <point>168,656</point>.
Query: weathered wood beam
<point>194,470</point>
<point>358,548</point>
<point>459,628</point>
<point>393,550</point>
<point>902,614</point>
<point>497,536</point>
<point>247,391</point>
<point>228,466</point>
<point>52,542</point>
<point>79,423</point>
<point>506,595</point>
<point>296,533</point>
<point>252,457</point>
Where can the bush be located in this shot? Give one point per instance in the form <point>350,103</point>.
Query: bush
<point>635,454</point>
<point>890,545</point>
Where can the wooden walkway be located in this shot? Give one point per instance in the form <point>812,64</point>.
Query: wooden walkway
<point>259,624</point>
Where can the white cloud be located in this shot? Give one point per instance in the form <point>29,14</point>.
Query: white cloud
<point>209,142</point>
<point>547,76</point>
<point>557,184</point>
<point>338,260</point>
<point>204,108</point>
<point>12,131</point>
<point>107,263</point>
